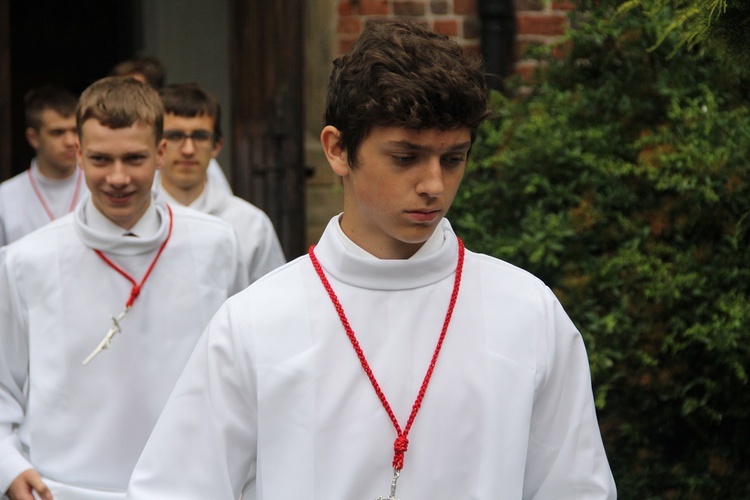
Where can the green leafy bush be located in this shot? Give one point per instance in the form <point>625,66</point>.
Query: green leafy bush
<point>621,177</point>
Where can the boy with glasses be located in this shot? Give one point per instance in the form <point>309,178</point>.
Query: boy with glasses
<point>192,131</point>
<point>390,362</point>
<point>101,309</point>
<point>149,69</point>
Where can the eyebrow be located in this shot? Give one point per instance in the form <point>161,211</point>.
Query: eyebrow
<point>418,147</point>
<point>183,131</point>
<point>144,152</point>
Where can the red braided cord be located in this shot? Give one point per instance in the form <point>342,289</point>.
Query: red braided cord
<point>402,443</point>
<point>136,290</point>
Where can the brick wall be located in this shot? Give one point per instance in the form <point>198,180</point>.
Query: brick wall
<point>537,21</point>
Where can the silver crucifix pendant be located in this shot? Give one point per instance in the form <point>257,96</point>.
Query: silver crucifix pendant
<point>392,496</point>
<point>108,337</point>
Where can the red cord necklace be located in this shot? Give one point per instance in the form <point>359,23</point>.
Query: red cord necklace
<point>39,195</point>
<point>401,444</point>
<point>134,292</point>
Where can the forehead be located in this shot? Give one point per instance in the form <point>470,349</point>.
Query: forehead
<point>100,138</point>
<point>52,119</point>
<point>188,123</point>
<point>432,139</point>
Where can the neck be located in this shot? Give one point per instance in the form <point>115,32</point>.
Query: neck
<point>183,196</point>
<point>51,172</point>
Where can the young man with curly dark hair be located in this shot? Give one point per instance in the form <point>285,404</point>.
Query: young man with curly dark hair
<point>390,362</point>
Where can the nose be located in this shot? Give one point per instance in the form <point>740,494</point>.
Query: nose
<point>188,146</point>
<point>431,182</point>
<point>70,138</point>
<point>118,175</point>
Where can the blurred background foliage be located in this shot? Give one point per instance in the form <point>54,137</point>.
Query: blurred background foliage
<point>619,175</point>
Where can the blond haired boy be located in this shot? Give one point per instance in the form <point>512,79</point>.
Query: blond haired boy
<point>101,309</point>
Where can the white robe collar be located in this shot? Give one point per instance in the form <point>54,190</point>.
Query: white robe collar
<point>433,262</point>
<point>96,231</point>
<point>49,182</point>
<point>212,200</point>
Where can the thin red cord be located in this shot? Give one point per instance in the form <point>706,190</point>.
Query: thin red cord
<point>401,444</point>
<point>136,290</point>
<point>44,203</point>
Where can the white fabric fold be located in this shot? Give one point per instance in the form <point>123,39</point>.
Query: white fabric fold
<point>274,399</point>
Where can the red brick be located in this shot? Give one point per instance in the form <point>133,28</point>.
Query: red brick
<point>373,7</point>
<point>546,24</point>
<point>465,7</point>
<point>564,5</point>
<point>446,27</point>
<point>345,8</point>
<point>562,50</point>
<point>349,25</point>
<point>409,8</point>
<point>526,69</point>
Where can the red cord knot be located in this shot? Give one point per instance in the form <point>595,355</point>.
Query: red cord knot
<point>399,446</point>
<point>133,295</point>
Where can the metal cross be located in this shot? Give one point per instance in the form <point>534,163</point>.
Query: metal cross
<point>108,337</point>
<point>392,496</point>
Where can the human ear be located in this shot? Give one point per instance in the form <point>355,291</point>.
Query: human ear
<point>33,137</point>
<point>218,145</point>
<point>79,152</point>
<point>161,151</point>
<point>330,138</point>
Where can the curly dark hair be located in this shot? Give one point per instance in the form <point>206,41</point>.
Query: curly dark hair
<point>404,75</point>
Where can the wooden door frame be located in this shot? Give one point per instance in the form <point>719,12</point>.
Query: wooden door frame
<point>266,72</point>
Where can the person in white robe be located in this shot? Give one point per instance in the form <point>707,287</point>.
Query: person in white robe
<point>390,362</point>
<point>76,406</point>
<point>52,185</point>
<point>218,178</point>
<point>192,129</point>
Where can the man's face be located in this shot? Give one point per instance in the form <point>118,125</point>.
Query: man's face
<point>402,185</point>
<point>186,159</point>
<point>119,166</point>
<point>54,144</point>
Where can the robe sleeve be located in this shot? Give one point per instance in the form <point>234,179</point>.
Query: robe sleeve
<point>566,457</point>
<point>14,357</point>
<point>204,443</point>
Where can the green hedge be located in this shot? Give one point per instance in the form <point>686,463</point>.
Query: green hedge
<point>621,177</point>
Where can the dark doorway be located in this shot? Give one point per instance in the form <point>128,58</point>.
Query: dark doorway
<point>267,117</point>
<point>66,43</point>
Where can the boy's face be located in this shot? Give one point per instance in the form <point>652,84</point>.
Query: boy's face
<point>54,143</point>
<point>119,166</point>
<point>186,160</point>
<point>402,185</point>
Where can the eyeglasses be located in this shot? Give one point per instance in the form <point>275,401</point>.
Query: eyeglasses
<point>202,139</point>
